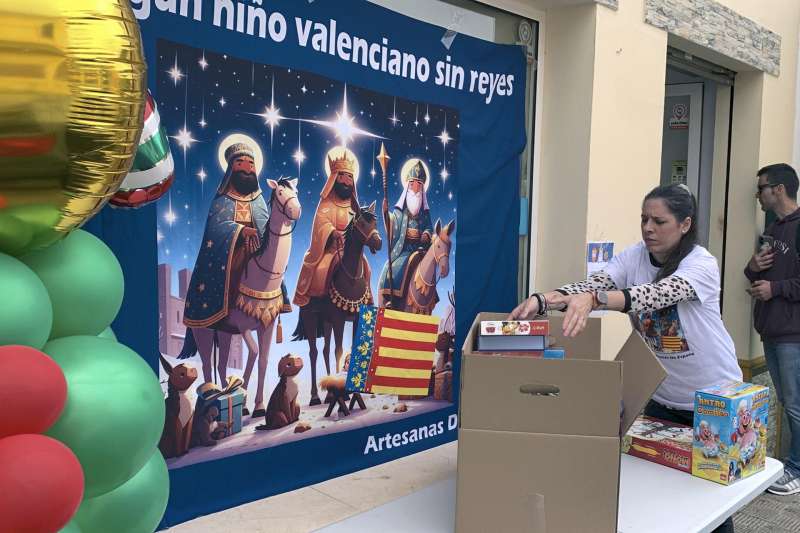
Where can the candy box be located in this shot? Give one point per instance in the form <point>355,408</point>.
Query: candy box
<point>660,441</point>
<point>513,335</point>
<point>730,431</point>
<point>514,327</point>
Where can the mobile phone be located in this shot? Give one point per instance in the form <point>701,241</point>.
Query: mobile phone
<point>766,242</point>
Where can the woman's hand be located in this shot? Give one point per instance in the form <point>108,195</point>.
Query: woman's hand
<point>578,308</point>
<point>528,309</point>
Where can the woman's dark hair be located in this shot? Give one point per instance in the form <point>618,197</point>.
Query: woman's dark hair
<point>681,203</point>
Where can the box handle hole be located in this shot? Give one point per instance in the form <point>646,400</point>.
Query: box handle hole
<point>539,389</point>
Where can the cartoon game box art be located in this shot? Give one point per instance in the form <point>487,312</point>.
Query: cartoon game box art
<point>730,428</point>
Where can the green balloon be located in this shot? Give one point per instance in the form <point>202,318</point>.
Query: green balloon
<point>72,527</point>
<point>26,314</point>
<point>108,333</point>
<point>135,507</point>
<point>15,235</point>
<point>84,280</point>
<point>114,414</point>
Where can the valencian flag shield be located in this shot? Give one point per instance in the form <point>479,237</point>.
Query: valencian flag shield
<point>392,352</point>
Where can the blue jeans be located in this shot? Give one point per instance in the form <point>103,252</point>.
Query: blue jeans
<point>783,361</point>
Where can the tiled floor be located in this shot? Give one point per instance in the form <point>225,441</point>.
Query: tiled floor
<point>313,507</point>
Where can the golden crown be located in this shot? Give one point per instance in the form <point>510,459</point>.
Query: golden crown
<point>342,164</point>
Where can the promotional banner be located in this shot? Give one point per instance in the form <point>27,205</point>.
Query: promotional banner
<point>329,157</point>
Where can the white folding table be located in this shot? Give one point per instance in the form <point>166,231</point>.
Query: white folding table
<point>653,499</point>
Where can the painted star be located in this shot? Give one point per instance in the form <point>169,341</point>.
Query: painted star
<point>303,88</point>
<point>175,72</point>
<point>393,119</point>
<point>271,115</point>
<point>444,137</point>
<point>202,62</point>
<point>184,139</point>
<point>299,156</point>
<point>444,174</point>
<point>202,175</point>
<point>222,102</point>
<point>344,127</point>
<point>170,218</point>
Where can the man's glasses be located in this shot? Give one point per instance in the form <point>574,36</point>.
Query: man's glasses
<point>766,186</point>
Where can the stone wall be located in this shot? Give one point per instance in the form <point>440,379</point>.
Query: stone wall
<point>613,4</point>
<point>719,28</point>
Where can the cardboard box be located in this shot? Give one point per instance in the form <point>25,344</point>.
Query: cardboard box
<point>730,422</point>
<point>539,439</point>
<point>660,441</point>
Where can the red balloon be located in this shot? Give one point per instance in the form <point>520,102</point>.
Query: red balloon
<point>41,484</point>
<point>33,390</point>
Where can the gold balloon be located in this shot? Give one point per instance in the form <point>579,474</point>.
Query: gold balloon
<point>72,94</point>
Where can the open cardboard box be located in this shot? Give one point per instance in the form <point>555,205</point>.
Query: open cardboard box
<point>539,439</point>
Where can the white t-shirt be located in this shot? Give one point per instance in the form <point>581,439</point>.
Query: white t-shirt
<point>689,338</point>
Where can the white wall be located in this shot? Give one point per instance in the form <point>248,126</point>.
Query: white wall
<point>447,16</point>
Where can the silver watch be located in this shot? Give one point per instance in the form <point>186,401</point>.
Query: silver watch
<point>602,300</point>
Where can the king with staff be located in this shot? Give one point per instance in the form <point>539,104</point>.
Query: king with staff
<point>408,228</point>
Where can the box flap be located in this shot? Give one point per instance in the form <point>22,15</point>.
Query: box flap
<point>527,394</point>
<point>587,345</point>
<point>642,374</point>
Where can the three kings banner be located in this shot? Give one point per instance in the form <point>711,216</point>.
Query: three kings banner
<point>330,156</point>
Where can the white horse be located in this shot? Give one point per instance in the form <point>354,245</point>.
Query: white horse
<point>259,299</point>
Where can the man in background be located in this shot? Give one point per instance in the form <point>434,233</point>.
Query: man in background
<point>774,274</point>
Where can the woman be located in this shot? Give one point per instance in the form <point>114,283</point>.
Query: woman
<point>670,287</point>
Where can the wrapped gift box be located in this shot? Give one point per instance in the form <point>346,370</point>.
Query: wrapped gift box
<point>230,411</point>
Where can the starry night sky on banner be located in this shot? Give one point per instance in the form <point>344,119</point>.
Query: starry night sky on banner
<point>204,96</point>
